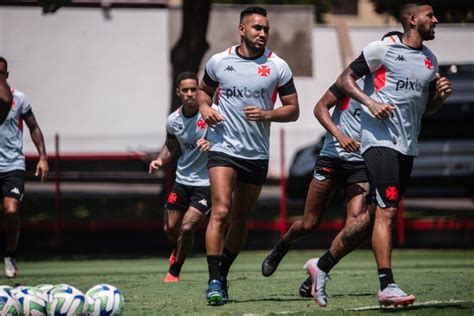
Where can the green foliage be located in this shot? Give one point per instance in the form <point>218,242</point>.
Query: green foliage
<point>441,280</point>
<point>51,6</point>
<point>320,6</point>
<point>453,11</point>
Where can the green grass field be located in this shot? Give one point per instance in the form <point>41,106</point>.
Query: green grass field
<point>443,282</point>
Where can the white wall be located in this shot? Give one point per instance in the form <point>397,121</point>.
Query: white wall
<point>101,84</point>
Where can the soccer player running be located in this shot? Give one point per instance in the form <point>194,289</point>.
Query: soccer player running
<point>406,86</point>
<point>189,200</point>
<point>12,166</point>
<point>340,163</point>
<point>247,78</point>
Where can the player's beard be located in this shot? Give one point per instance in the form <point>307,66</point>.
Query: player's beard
<point>427,34</point>
<point>252,47</point>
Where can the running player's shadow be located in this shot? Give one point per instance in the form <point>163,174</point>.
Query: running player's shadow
<point>268,299</point>
<point>458,307</point>
<point>351,295</point>
<point>295,298</point>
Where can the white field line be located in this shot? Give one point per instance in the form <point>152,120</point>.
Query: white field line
<point>428,303</point>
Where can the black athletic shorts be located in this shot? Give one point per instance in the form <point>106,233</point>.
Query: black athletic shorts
<point>252,171</point>
<point>345,172</point>
<point>12,184</point>
<point>183,196</point>
<point>388,171</point>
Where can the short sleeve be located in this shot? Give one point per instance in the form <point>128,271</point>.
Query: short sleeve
<point>25,105</point>
<point>210,76</point>
<point>169,124</point>
<point>284,74</point>
<point>373,55</point>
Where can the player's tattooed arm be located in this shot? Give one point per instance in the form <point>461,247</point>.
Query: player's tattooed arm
<point>6,99</point>
<point>42,168</point>
<point>165,154</point>
<point>204,99</point>
<point>346,82</point>
<point>321,112</point>
<point>442,90</point>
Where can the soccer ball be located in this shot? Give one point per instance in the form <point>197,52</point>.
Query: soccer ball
<point>107,300</point>
<point>45,288</point>
<point>32,300</point>
<point>6,288</point>
<point>66,300</point>
<point>8,305</point>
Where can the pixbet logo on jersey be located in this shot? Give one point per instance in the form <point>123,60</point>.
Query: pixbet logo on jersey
<point>245,93</point>
<point>410,85</point>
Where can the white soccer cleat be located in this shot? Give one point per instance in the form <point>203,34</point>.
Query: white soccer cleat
<point>319,279</point>
<point>11,270</point>
<point>393,295</point>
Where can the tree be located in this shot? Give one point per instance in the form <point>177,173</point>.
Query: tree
<point>51,6</point>
<point>188,52</point>
<point>453,11</point>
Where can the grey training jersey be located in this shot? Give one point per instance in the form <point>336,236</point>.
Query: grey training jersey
<point>11,134</point>
<point>192,164</point>
<point>346,117</point>
<point>244,82</point>
<point>403,77</point>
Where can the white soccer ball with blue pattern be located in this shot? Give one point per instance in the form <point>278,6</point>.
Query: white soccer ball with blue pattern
<point>8,305</point>
<point>66,300</point>
<point>46,288</point>
<point>33,301</point>
<point>6,288</point>
<point>107,300</point>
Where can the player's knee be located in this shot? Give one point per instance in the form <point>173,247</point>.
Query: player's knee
<point>310,226</point>
<point>187,228</point>
<point>388,213</point>
<point>10,211</point>
<point>169,231</point>
<point>220,213</point>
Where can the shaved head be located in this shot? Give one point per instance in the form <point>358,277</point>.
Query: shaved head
<point>252,10</point>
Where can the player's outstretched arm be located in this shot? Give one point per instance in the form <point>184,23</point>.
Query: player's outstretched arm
<point>6,99</point>
<point>321,112</point>
<point>204,99</point>
<point>42,168</point>
<point>165,154</point>
<point>438,96</point>
<point>346,82</point>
